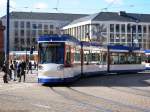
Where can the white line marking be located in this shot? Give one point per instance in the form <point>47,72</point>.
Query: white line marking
<point>43,106</point>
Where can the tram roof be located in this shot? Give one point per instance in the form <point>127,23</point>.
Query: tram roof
<point>56,38</point>
<point>147,51</point>
<point>121,47</point>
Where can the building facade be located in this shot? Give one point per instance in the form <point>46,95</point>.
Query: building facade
<point>2,28</point>
<point>113,28</point>
<point>25,27</point>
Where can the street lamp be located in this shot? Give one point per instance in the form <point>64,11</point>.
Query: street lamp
<point>7,43</point>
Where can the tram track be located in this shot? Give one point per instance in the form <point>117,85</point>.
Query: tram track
<point>99,102</point>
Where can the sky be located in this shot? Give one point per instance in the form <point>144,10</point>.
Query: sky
<point>76,6</point>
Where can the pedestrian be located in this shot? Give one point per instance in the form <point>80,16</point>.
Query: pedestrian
<point>29,67</point>
<point>4,69</point>
<point>15,70</point>
<point>22,71</point>
<point>35,65</point>
<point>11,73</point>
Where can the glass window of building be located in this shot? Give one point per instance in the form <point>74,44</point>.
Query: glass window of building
<point>117,27</point>
<point>22,41</point>
<point>128,28</point>
<point>28,33</point>
<point>16,24</point>
<point>21,33</point>
<point>128,37</point>
<point>33,33</point>
<point>144,29</point>
<point>39,26</point>
<point>51,32</point>
<point>33,40</point>
<point>45,27</point>
<point>40,32</point>
<point>34,26</point>
<point>139,29</point>
<point>111,37</point>
<point>117,38</point>
<point>149,29</point>
<point>16,33</point>
<point>28,41</point>
<point>51,26</point>
<point>134,28</point>
<point>123,28</point>
<point>28,25</point>
<point>123,37</point>
<point>45,31</point>
<point>16,40</point>
<point>22,24</point>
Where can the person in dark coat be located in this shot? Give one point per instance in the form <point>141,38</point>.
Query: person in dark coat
<point>22,71</point>
<point>30,67</point>
<point>4,69</point>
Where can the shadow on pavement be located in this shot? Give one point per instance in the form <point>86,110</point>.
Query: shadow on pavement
<point>120,80</point>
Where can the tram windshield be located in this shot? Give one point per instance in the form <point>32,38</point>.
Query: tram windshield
<point>51,52</point>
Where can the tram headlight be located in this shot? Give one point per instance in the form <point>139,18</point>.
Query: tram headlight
<point>61,67</point>
<point>40,67</point>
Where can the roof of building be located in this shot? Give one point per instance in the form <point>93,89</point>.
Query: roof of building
<point>45,16</point>
<point>115,16</point>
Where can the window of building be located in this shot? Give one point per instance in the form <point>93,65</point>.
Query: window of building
<point>139,28</point>
<point>123,37</point>
<point>16,24</point>
<point>28,41</point>
<point>111,37</point>
<point>128,28</point>
<point>45,27</point>
<point>34,26</point>
<point>22,41</point>
<point>117,27</point>
<point>123,28</point>
<point>28,33</point>
<point>22,33</point>
<point>45,31</point>
<point>51,32</point>
<point>16,40</point>
<point>128,37</point>
<point>39,32</point>
<point>33,33</point>
<point>28,25</point>
<point>22,24</point>
<point>39,26</point>
<point>33,40</point>
<point>16,33</point>
<point>134,28</point>
<point>51,26</point>
<point>144,29</point>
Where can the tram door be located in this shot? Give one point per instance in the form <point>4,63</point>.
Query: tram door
<point>68,61</point>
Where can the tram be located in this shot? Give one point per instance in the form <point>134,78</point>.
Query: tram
<point>63,59</point>
<point>146,59</point>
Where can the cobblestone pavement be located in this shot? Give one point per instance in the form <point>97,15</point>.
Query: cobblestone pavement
<point>114,93</point>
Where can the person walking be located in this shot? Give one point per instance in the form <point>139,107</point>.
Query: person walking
<point>4,69</point>
<point>29,67</point>
<point>22,71</point>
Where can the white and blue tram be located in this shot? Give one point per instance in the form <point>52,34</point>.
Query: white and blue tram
<point>146,59</point>
<point>64,59</point>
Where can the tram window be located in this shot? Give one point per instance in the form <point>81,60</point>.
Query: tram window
<point>138,60</point>
<point>131,59</point>
<point>103,58</point>
<point>51,53</point>
<point>68,56</point>
<point>95,57</point>
<point>77,56</point>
